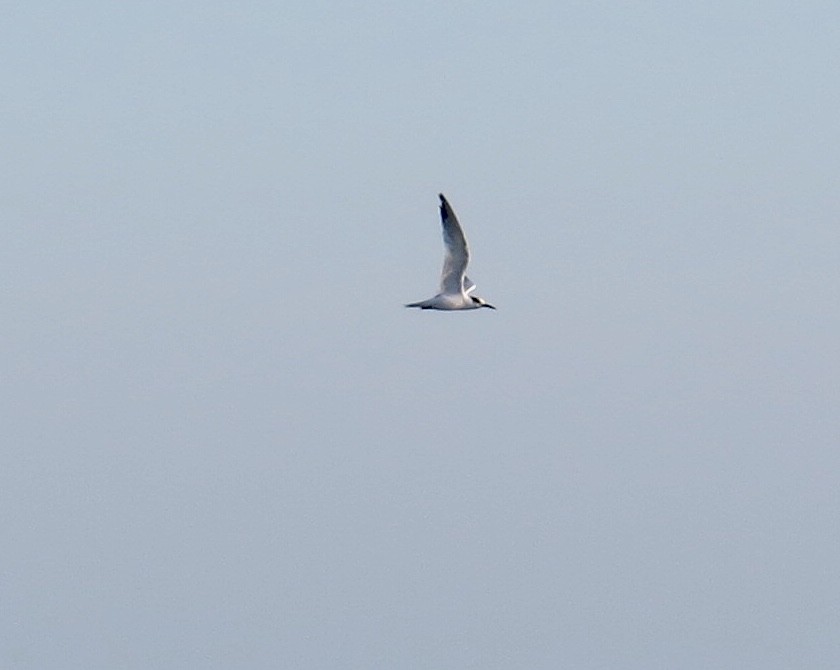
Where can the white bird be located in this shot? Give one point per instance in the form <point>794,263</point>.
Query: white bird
<point>455,286</point>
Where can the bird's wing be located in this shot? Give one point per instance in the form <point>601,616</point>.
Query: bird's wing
<point>457,254</point>
<point>469,287</point>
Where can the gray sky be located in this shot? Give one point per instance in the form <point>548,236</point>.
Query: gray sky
<point>227,444</point>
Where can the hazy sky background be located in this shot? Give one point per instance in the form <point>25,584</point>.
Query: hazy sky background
<point>228,445</point>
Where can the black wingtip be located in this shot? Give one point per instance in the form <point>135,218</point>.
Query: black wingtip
<point>444,206</point>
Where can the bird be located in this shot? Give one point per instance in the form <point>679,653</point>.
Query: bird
<point>455,287</point>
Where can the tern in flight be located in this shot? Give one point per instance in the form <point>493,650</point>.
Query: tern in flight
<point>455,286</point>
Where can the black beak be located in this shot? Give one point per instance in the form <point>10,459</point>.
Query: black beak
<point>487,304</point>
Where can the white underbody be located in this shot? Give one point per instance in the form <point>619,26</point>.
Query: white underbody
<point>447,301</point>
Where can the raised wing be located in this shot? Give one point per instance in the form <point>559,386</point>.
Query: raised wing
<point>457,253</point>
<point>469,287</point>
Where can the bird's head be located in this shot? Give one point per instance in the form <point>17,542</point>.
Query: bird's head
<point>480,302</point>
